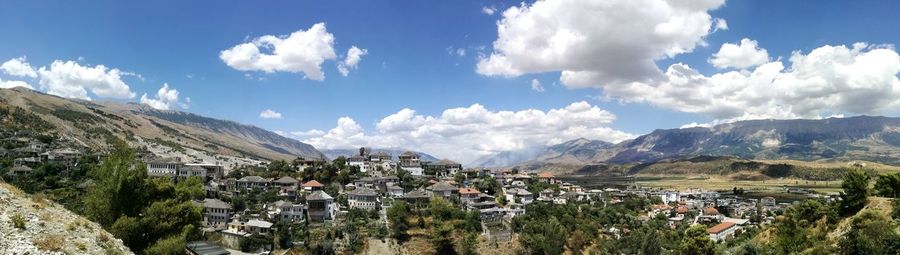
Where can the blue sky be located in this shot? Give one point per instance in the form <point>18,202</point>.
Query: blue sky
<point>411,59</point>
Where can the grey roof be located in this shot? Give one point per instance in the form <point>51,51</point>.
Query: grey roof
<point>20,168</point>
<point>447,162</point>
<point>363,192</point>
<point>287,180</point>
<point>252,179</point>
<point>441,186</point>
<point>215,203</point>
<point>259,223</point>
<point>319,195</point>
<point>409,153</point>
<point>169,160</point>
<point>417,194</point>
<point>206,248</point>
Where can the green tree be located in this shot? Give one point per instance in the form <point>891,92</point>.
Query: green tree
<point>468,244</point>
<point>888,185</point>
<point>696,242</point>
<point>856,191</point>
<point>118,187</point>
<point>870,233</point>
<point>544,237</point>
<point>396,215</point>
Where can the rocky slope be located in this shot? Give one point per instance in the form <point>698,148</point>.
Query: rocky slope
<point>48,228</point>
<point>89,124</point>
<point>575,152</point>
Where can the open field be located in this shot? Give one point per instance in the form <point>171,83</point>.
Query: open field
<point>712,182</point>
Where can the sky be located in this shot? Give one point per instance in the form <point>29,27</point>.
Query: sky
<point>462,79</point>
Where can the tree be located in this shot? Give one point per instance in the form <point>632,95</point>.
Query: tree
<point>119,182</point>
<point>544,237</point>
<point>870,233</point>
<point>888,185</point>
<point>696,242</point>
<point>856,191</point>
<point>440,237</point>
<point>468,244</point>
<point>397,215</point>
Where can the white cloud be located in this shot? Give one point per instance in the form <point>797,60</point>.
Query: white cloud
<point>747,54</point>
<point>13,84</point>
<point>828,81</point>
<point>71,79</point>
<point>270,114</point>
<point>469,132</point>
<point>488,10</point>
<point>166,99</point>
<point>301,51</point>
<point>720,24</point>
<point>536,85</point>
<point>595,41</point>
<point>354,55</point>
<point>18,67</point>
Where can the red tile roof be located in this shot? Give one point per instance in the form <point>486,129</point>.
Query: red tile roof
<point>545,175</point>
<point>719,228</point>
<point>711,211</point>
<point>313,184</point>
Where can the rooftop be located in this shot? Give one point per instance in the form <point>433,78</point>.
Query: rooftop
<point>287,180</point>
<point>319,195</point>
<point>468,191</point>
<point>215,203</point>
<point>362,191</point>
<point>313,183</point>
<point>719,228</point>
<point>206,248</point>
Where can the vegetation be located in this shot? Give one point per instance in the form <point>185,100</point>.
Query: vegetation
<point>18,221</point>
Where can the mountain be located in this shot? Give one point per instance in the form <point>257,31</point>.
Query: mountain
<point>394,152</point>
<point>90,124</point>
<point>580,151</point>
<point>875,139</point>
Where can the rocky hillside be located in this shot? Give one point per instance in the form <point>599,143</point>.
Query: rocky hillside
<point>34,225</point>
<point>90,124</point>
<point>875,139</point>
<point>575,152</point>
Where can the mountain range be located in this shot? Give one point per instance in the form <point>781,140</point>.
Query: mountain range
<point>89,124</point>
<point>868,138</point>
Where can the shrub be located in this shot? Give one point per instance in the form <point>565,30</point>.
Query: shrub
<point>18,221</point>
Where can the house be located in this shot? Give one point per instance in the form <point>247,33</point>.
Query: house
<point>442,189</point>
<point>216,213</point>
<point>286,181</point>
<point>519,196</point>
<point>287,211</point>
<point>547,177</point>
<point>164,166</point>
<point>213,171</point>
<point>302,164</point>
<point>444,167</point>
<point>409,161</point>
<point>251,183</point>
<point>21,170</point>
<point>320,206</point>
<point>767,202</point>
<point>363,198</point>
<point>394,190</point>
<point>313,185</point>
<point>711,214</point>
<point>359,161</point>
<point>417,197</point>
<point>468,195</point>
<point>722,231</point>
<point>251,227</point>
<point>65,156</point>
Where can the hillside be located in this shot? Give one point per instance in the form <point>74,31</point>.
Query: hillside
<point>570,153</point>
<point>89,124</point>
<point>48,228</point>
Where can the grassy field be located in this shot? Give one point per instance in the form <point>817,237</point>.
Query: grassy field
<point>714,182</point>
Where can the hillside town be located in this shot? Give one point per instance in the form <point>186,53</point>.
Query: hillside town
<point>239,206</point>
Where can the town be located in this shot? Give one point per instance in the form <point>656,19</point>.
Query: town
<point>250,208</point>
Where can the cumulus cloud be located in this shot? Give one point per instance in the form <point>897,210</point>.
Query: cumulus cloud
<point>18,67</point>
<point>747,54</point>
<point>166,99</point>
<point>466,133</point>
<point>270,114</point>
<point>828,81</point>
<point>354,55</point>
<point>13,84</point>
<point>536,85</point>
<point>596,42</point>
<point>302,51</point>
<point>71,79</point>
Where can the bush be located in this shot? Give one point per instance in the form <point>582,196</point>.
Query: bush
<point>18,221</point>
